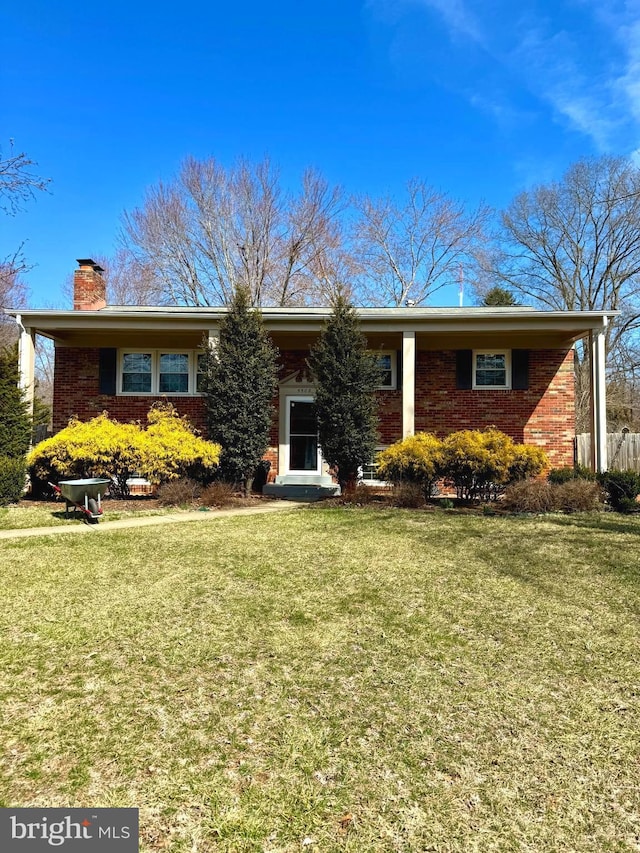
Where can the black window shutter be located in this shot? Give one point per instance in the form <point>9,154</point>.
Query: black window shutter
<point>107,371</point>
<point>464,369</point>
<point>520,369</point>
<point>398,369</point>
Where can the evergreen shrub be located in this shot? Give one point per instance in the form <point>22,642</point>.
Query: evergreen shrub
<point>12,479</point>
<point>561,475</point>
<point>622,489</point>
<point>575,472</point>
<point>239,380</point>
<point>346,375</point>
<point>15,423</point>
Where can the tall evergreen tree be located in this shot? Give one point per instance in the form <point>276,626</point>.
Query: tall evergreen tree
<point>15,423</point>
<point>239,381</point>
<point>346,376</point>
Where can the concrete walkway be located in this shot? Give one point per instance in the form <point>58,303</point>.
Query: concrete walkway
<point>106,526</point>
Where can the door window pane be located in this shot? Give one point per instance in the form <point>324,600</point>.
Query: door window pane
<point>302,418</point>
<point>303,436</point>
<point>303,453</point>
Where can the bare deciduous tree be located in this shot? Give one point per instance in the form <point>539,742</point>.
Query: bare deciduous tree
<point>129,281</point>
<point>575,245</point>
<point>18,181</point>
<point>406,252</point>
<point>212,230</point>
<point>13,294</point>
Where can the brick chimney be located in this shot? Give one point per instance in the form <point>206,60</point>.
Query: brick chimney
<point>89,287</point>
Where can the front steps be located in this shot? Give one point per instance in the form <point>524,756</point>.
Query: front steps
<point>301,487</point>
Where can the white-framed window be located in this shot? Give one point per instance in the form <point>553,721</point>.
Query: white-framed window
<point>157,371</point>
<point>136,373</point>
<point>491,369</point>
<point>173,372</point>
<point>368,473</point>
<point>388,364</point>
<point>199,371</point>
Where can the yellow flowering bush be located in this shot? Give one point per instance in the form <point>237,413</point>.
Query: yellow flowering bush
<point>416,459</point>
<point>170,448</point>
<point>480,464</point>
<point>102,447</point>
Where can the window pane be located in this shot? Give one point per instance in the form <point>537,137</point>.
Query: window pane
<point>370,472</point>
<point>200,371</point>
<point>491,369</point>
<point>303,453</point>
<point>136,362</point>
<point>174,362</point>
<point>174,383</point>
<point>136,372</point>
<point>491,361</point>
<point>384,363</point>
<point>174,373</point>
<point>302,418</point>
<point>136,383</point>
<point>490,377</point>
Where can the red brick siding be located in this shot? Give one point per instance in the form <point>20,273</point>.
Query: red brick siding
<point>542,415</point>
<point>76,394</point>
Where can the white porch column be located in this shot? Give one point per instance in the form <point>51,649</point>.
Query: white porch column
<point>598,398</point>
<point>214,338</point>
<point>408,383</point>
<point>27,362</point>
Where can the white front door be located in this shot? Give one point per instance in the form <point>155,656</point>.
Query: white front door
<point>303,450</point>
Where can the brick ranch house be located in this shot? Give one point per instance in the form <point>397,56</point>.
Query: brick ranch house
<point>445,369</point>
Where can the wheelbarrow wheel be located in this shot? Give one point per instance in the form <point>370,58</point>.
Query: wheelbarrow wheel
<point>93,509</point>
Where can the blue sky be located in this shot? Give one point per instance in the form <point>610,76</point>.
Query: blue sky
<point>482,98</point>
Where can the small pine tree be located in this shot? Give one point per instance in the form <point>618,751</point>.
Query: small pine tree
<point>15,423</point>
<point>346,376</point>
<point>499,297</point>
<point>239,381</point>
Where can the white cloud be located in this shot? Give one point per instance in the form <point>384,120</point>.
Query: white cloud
<point>585,67</point>
<point>459,19</point>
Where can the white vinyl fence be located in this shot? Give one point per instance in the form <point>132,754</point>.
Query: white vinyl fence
<point>623,450</point>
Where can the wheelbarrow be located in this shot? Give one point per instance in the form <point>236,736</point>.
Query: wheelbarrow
<point>84,495</point>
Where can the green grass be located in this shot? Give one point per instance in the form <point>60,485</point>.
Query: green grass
<point>332,679</point>
<point>26,514</point>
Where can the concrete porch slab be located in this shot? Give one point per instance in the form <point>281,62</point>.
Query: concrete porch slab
<point>295,491</point>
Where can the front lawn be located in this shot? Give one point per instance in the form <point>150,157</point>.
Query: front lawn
<point>52,513</point>
<point>332,679</point>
